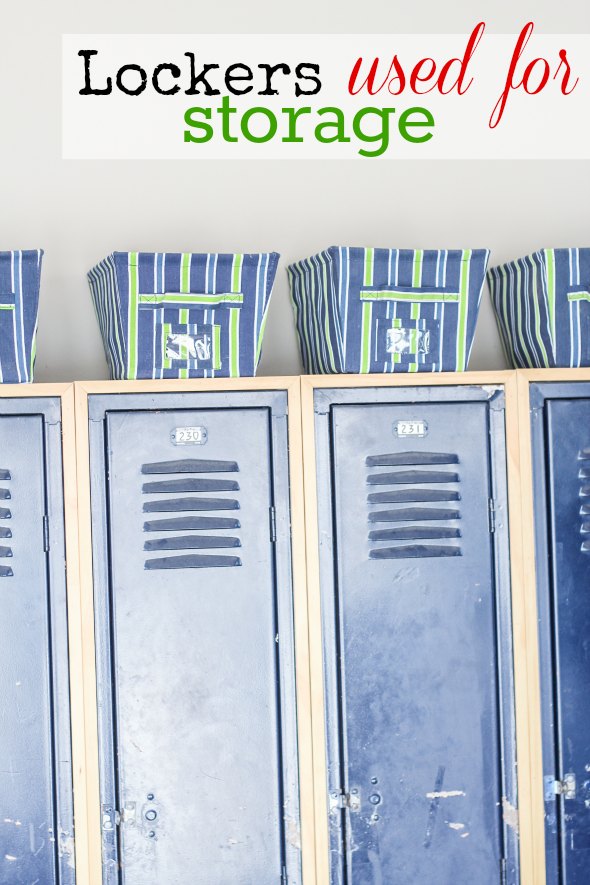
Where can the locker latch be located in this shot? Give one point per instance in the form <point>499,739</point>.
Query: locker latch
<point>340,800</point>
<point>110,818</point>
<point>565,787</point>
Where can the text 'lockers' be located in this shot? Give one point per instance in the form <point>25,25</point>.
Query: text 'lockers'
<point>194,637</point>
<point>417,644</point>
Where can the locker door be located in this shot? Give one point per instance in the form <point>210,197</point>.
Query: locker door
<point>201,773</point>
<point>421,772</point>
<point>568,453</point>
<point>36,842</point>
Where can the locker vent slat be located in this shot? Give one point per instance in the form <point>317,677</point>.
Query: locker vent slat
<point>405,459</point>
<point>584,474</point>
<point>413,514</point>
<point>414,551</point>
<point>412,496</point>
<point>5,552</point>
<point>191,523</point>
<point>419,490</point>
<point>191,465</point>
<point>411,533</point>
<point>190,484</point>
<point>194,560</point>
<point>410,477</point>
<point>179,504</point>
<point>192,542</point>
<point>161,502</point>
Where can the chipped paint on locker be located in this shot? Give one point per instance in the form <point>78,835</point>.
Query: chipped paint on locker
<point>36,814</point>
<point>417,636</point>
<point>560,426</point>
<point>198,749</point>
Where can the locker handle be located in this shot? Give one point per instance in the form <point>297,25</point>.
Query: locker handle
<point>5,475</point>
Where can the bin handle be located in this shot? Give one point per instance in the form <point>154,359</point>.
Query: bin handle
<point>578,294</point>
<point>410,293</point>
<point>190,299</point>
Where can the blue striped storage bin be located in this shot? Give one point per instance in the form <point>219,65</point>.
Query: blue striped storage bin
<point>20,274</point>
<point>542,304</point>
<point>182,315</point>
<point>387,310</point>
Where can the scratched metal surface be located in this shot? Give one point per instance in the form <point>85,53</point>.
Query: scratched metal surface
<point>36,834</point>
<point>201,761</point>
<point>561,435</point>
<point>412,657</point>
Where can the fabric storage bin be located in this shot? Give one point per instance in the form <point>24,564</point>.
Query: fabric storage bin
<point>173,315</point>
<point>363,310</point>
<point>542,304</point>
<point>20,273</point>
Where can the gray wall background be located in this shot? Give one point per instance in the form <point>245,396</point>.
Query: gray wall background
<point>80,211</point>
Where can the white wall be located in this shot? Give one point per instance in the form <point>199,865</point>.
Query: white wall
<point>80,211</point>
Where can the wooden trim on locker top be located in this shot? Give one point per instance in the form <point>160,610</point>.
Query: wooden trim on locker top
<point>291,385</point>
<point>75,636</point>
<point>65,392</point>
<point>522,682</point>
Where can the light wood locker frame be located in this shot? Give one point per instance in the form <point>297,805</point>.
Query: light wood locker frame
<point>291,385</point>
<point>529,820</point>
<point>526,377</point>
<point>65,393</point>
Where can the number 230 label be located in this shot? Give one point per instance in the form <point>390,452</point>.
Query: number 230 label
<point>189,436</point>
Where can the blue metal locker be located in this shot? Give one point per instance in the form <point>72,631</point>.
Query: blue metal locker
<point>560,416</point>
<point>194,625</point>
<point>36,803</point>
<point>415,591</point>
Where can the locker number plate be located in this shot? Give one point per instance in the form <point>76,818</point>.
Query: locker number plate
<point>189,436</point>
<point>410,428</point>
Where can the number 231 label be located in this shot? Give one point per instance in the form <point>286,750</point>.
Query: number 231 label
<point>410,428</point>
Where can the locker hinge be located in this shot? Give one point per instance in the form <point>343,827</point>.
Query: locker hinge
<point>284,877</point>
<point>340,800</point>
<point>492,515</point>
<point>565,788</point>
<point>46,533</point>
<point>503,871</point>
<point>273,525</point>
